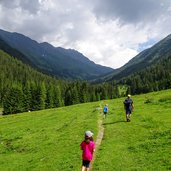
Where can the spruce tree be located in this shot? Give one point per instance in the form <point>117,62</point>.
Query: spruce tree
<point>14,100</point>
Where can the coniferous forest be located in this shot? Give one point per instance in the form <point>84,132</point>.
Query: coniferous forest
<point>24,89</point>
<point>154,78</point>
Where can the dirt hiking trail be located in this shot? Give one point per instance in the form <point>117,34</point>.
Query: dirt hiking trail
<point>99,137</point>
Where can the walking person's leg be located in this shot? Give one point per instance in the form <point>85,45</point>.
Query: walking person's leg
<point>85,165</point>
<point>83,168</point>
<point>87,168</point>
<point>104,114</point>
<point>130,117</point>
<point>127,115</point>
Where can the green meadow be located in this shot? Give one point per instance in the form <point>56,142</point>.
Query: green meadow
<point>144,144</point>
<point>49,140</point>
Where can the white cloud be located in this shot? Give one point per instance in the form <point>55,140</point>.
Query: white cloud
<point>108,32</point>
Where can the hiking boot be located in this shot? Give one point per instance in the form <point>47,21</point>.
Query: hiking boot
<point>128,120</point>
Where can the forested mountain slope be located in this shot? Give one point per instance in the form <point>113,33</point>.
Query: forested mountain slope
<point>146,58</point>
<point>59,62</point>
<point>24,89</point>
<point>153,78</point>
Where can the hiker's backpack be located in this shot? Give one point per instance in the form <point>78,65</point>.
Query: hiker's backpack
<point>127,103</point>
<point>105,109</point>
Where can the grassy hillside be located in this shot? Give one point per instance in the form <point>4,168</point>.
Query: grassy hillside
<point>45,140</point>
<point>144,143</point>
<point>50,139</point>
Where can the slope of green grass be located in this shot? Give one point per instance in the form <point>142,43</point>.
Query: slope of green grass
<point>50,139</point>
<point>142,144</point>
<point>45,140</point>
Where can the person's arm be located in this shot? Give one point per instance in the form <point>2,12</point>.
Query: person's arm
<point>93,147</point>
<point>81,146</point>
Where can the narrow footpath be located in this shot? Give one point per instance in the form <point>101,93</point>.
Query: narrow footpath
<point>99,138</point>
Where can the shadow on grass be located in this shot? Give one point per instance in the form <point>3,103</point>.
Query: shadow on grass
<point>109,123</point>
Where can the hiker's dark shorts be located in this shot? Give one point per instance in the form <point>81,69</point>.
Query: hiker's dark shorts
<point>105,113</point>
<point>86,163</point>
<point>128,111</point>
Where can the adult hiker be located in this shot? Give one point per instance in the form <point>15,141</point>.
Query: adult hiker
<point>128,105</point>
<point>105,110</point>
<point>88,147</point>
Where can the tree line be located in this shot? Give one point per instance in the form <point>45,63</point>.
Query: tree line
<point>24,89</point>
<point>154,78</point>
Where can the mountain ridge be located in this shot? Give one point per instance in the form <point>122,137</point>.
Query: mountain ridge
<point>144,59</point>
<point>57,61</point>
<point>73,65</point>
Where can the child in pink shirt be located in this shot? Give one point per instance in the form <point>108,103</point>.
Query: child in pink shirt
<point>88,147</point>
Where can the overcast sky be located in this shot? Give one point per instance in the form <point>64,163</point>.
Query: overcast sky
<point>108,32</point>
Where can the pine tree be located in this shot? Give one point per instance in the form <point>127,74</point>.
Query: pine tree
<point>75,97</point>
<point>49,97</point>
<point>13,102</point>
<point>27,96</point>
<point>34,105</point>
<point>68,98</point>
<point>58,101</point>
